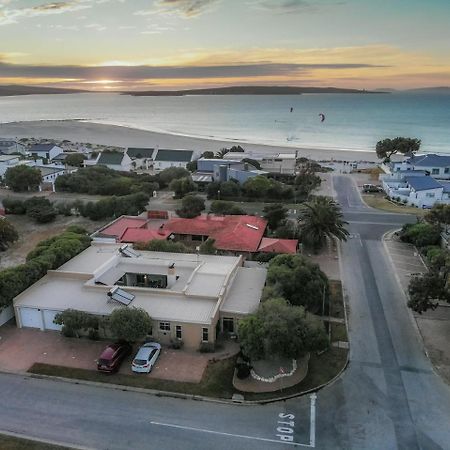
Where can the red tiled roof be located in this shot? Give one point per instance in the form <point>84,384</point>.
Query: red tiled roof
<point>234,233</point>
<point>269,245</point>
<point>118,227</point>
<point>142,235</point>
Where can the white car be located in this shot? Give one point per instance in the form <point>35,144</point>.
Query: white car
<point>146,357</point>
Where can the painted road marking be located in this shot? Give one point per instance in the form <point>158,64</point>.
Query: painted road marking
<point>284,432</point>
<point>285,428</point>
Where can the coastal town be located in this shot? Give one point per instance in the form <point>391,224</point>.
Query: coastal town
<point>191,248</point>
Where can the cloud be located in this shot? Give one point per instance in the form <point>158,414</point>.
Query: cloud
<point>293,6</point>
<point>183,8</point>
<point>14,15</point>
<point>165,72</point>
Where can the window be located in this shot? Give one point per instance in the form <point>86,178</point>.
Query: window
<point>447,170</point>
<point>435,171</point>
<point>228,324</point>
<point>430,194</point>
<point>164,326</point>
<point>178,333</point>
<point>205,334</point>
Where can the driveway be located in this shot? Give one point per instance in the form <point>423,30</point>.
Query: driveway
<point>20,348</point>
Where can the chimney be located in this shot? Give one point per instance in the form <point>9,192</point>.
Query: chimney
<point>171,275</point>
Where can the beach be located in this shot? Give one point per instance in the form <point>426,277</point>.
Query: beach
<point>113,135</point>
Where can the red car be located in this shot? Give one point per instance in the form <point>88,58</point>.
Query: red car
<point>112,356</point>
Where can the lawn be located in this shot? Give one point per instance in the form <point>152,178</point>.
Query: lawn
<point>216,382</point>
<point>338,332</point>
<point>379,202</point>
<point>14,443</point>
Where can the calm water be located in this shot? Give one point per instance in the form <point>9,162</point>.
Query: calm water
<point>354,122</point>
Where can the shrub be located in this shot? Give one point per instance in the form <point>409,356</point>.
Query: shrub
<point>421,234</point>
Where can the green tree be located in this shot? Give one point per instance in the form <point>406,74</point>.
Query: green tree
<point>171,173</point>
<point>226,208</point>
<point>421,234</point>
<point>208,155</point>
<point>192,166</point>
<point>74,321</point>
<point>275,214</point>
<point>130,324</point>
<point>191,206</point>
<point>280,329</point>
<point>75,159</point>
<point>207,247</point>
<point>439,214</point>
<point>299,281</point>
<point>388,147</point>
<point>40,209</point>
<point>182,186</point>
<point>257,187</point>
<point>8,234</point>
<point>23,178</point>
<point>319,219</point>
<point>426,290</point>
<point>162,246</point>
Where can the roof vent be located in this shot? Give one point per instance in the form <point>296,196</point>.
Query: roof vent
<point>120,296</point>
<point>253,227</point>
<point>128,252</point>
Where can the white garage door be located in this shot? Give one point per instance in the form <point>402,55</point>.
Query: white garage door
<point>31,317</point>
<point>48,320</point>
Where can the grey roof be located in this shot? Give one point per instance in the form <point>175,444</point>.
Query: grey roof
<point>110,158</point>
<point>174,155</point>
<point>423,183</point>
<point>41,147</point>
<point>446,186</point>
<point>135,152</point>
<point>430,160</point>
<point>8,143</point>
<point>49,170</point>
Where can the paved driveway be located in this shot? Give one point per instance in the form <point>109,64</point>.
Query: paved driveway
<point>21,348</point>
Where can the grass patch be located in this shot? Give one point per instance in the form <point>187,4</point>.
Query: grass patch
<point>14,443</point>
<point>379,202</point>
<point>216,381</point>
<point>322,368</point>
<point>336,300</point>
<point>338,332</point>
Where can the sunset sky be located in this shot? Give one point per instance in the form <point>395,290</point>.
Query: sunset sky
<point>174,44</point>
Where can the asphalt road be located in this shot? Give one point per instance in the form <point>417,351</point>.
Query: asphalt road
<point>388,398</point>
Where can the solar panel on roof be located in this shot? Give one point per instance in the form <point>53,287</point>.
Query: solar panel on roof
<point>121,296</point>
<point>128,252</point>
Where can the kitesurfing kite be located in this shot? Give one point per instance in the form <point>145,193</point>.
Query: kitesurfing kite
<point>292,109</point>
<point>322,117</point>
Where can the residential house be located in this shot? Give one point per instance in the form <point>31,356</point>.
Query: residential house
<point>281,163</point>
<point>114,160</point>
<point>172,158</point>
<point>6,162</point>
<point>45,151</point>
<point>9,146</point>
<point>189,297</point>
<point>142,158</point>
<point>225,170</point>
<point>436,165</point>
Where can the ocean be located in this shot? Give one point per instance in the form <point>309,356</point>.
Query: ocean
<point>352,121</point>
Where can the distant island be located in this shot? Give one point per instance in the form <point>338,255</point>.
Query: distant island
<point>431,90</point>
<point>252,90</point>
<point>15,89</point>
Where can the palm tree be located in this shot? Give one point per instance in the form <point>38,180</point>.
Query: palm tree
<point>321,218</point>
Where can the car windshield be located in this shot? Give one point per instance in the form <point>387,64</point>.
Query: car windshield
<point>103,362</point>
<point>140,362</point>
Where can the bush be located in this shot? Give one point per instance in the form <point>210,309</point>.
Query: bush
<point>130,324</point>
<point>13,206</point>
<point>191,206</point>
<point>421,234</point>
<point>226,208</point>
<point>162,246</point>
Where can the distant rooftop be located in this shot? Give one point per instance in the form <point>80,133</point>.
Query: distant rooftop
<point>135,152</point>
<point>110,158</point>
<point>174,155</point>
<point>423,183</point>
<point>41,147</point>
<point>430,160</point>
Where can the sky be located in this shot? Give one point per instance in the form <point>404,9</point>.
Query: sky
<point>182,44</point>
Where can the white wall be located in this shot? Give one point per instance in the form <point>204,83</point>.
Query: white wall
<point>161,165</point>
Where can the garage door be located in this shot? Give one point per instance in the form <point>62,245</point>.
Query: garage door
<point>31,317</point>
<point>48,320</point>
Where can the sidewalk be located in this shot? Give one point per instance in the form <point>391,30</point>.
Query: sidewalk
<point>434,326</point>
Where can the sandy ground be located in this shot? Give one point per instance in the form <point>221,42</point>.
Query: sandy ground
<point>85,132</point>
<point>30,233</point>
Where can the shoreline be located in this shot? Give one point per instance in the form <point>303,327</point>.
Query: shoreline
<point>85,131</point>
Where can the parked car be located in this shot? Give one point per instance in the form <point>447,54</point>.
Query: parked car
<point>146,357</point>
<point>371,188</point>
<point>112,356</point>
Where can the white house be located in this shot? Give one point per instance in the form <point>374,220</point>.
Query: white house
<point>436,165</point>
<point>416,188</point>
<point>8,146</point>
<point>188,296</point>
<point>283,163</point>
<point>142,158</point>
<point>115,160</point>
<point>172,158</point>
<point>45,151</point>
<point>7,161</point>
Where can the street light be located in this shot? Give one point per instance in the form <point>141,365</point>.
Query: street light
<point>218,194</point>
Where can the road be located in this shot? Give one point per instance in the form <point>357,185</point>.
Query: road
<point>388,398</point>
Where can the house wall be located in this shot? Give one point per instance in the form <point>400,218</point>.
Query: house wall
<point>191,334</point>
<point>5,165</point>
<point>437,172</point>
<point>161,165</point>
<point>278,165</point>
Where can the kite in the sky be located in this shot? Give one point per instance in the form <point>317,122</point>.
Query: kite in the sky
<point>322,117</point>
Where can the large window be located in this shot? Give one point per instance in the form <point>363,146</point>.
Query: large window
<point>228,324</point>
<point>178,332</point>
<point>205,334</point>
<point>164,326</point>
<point>430,194</point>
<point>435,171</point>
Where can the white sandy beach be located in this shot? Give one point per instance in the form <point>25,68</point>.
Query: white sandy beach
<point>86,132</point>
